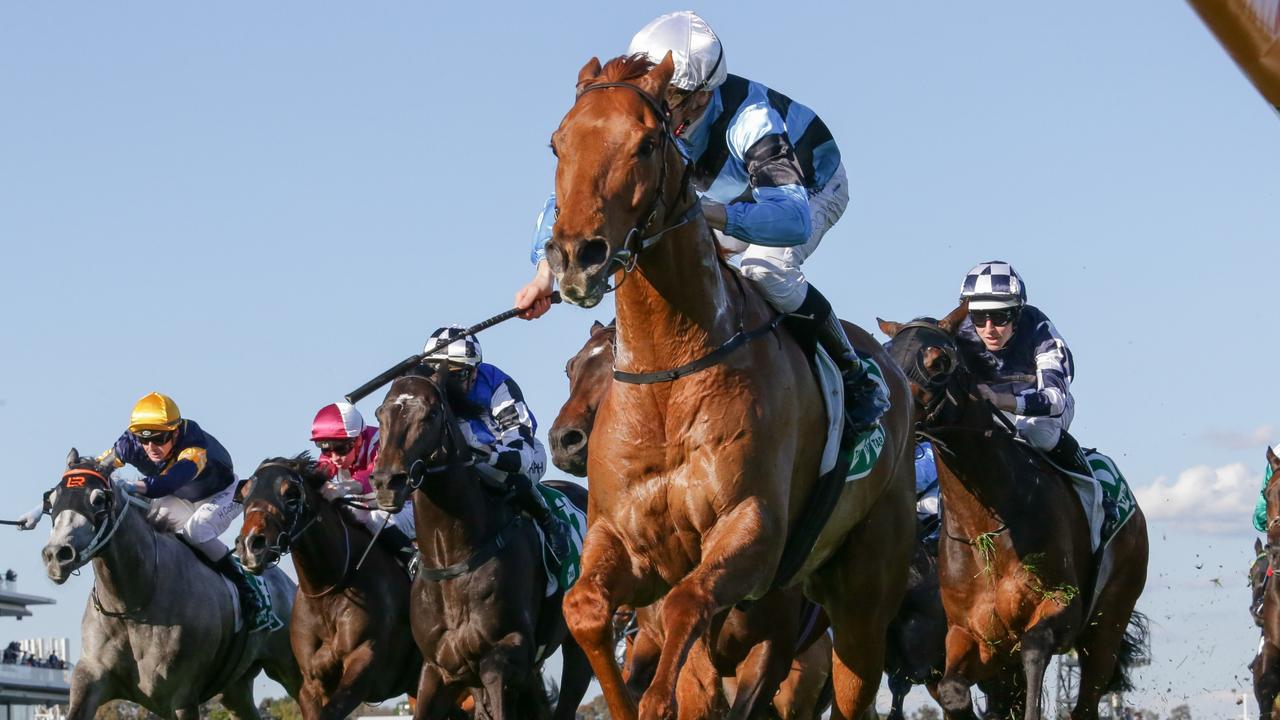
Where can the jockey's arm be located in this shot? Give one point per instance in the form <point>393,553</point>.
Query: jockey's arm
<point>535,297</point>
<point>514,443</point>
<point>189,463</point>
<point>779,215</point>
<point>1053,376</point>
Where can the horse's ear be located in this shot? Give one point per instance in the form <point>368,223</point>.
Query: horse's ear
<point>655,83</point>
<point>588,73</point>
<point>1273,462</point>
<point>889,327</point>
<point>596,326</point>
<point>954,319</point>
<point>1257,546</point>
<point>240,493</point>
<point>73,457</point>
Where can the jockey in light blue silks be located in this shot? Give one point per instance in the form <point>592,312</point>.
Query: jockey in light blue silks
<point>499,428</point>
<point>771,182</point>
<point>1025,369</point>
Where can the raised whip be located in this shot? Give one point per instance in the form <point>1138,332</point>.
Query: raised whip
<point>405,365</point>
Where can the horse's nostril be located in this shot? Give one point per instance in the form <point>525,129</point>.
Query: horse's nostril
<point>592,253</point>
<point>571,439</point>
<point>64,554</point>
<point>256,543</point>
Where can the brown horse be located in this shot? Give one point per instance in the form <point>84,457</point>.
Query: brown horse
<point>697,480</point>
<point>1016,565</point>
<point>1266,666</point>
<point>1258,573</point>
<point>350,627</point>
<point>753,646</point>
<point>479,609</point>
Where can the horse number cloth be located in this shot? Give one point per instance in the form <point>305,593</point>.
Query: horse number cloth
<point>576,521</point>
<point>1116,489</point>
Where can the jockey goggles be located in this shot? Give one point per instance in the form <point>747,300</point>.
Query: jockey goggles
<point>153,437</point>
<point>999,318</point>
<point>335,447</point>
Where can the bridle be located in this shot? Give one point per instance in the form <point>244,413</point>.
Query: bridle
<point>295,511</point>
<point>445,457</point>
<point>77,478</point>
<point>908,348</point>
<point>626,257</point>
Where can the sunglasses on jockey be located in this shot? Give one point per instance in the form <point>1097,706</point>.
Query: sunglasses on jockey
<point>335,447</point>
<point>153,437</point>
<point>999,318</point>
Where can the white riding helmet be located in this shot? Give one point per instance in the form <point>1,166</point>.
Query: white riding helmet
<point>992,286</point>
<point>694,47</point>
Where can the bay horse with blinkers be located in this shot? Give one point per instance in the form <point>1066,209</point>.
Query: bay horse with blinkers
<point>350,628</point>
<point>1015,558</point>
<point>479,609</point>
<point>1266,666</point>
<point>698,481</point>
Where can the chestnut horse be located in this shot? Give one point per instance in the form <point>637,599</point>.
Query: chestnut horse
<point>698,480</point>
<point>350,627</point>
<point>754,646</point>
<point>1266,666</point>
<point>479,609</point>
<point>1016,565</point>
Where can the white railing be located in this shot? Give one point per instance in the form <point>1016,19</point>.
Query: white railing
<point>27,676</point>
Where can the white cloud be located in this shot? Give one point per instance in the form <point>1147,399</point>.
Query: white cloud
<point>1254,439</point>
<point>1209,499</point>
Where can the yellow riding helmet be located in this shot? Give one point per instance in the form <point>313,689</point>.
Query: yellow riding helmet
<point>155,412</point>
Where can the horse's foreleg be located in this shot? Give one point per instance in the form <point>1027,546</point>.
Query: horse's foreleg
<point>237,698</point>
<point>798,696</point>
<point>764,669</point>
<point>1266,679</point>
<point>1037,649</point>
<point>435,699</point>
<point>353,686</point>
<point>899,686</point>
<point>698,686</point>
<point>735,556</point>
<point>88,692</point>
<point>575,678</point>
<point>955,689</point>
<point>509,680</point>
<point>605,583</point>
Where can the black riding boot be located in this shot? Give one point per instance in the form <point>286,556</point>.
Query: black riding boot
<point>255,608</point>
<point>530,500</point>
<point>865,399</point>
<point>1067,454</point>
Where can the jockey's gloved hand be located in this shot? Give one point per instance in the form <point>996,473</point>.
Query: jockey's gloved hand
<point>1002,400</point>
<point>332,490</point>
<point>31,518</point>
<point>134,487</point>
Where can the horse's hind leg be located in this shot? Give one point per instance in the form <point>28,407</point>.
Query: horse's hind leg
<point>237,698</point>
<point>605,583</point>
<point>1266,679</point>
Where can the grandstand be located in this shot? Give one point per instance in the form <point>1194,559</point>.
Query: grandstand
<point>35,677</point>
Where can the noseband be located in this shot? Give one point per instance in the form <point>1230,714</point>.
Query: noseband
<point>627,256</point>
<point>294,511</point>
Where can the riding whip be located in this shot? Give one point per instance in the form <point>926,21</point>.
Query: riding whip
<point>405,365</point>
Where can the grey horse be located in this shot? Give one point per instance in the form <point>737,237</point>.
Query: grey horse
<point>159,626</point>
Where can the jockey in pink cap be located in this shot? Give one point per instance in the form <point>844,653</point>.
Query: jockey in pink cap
<point>348,451</point>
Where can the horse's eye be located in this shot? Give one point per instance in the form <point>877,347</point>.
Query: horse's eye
<point>646,148</point>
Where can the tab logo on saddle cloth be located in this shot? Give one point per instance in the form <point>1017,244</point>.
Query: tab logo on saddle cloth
<point>861,459</point>
<point>1116,488</point>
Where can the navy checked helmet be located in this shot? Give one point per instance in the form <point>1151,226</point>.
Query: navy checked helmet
<point>452,344</point>
<point>993,285</point>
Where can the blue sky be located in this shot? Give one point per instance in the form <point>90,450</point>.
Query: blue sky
<point>255,207</point>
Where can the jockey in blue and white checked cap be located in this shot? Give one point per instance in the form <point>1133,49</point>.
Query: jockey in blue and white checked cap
<point>1023,364</point>
<point>498,426</point>
<point>770,178</point>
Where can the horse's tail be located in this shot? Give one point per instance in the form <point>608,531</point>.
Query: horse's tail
<point>1135,649</point>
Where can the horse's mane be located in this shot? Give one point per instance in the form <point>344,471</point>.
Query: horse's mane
<point>302,463</point>
<point>625,68</point>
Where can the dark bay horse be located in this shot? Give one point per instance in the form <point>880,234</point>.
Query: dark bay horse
<point>917,641</point>
<point>697,482</point>
<point>159,626</point>
<point>350,628</point>
<point>753,646</point>
<point>1016,565</point>
<point>1266,666</point>
<point>478,606</point>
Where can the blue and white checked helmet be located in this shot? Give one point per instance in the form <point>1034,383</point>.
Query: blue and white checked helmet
<point>452,344</point>
<point>993,285</point>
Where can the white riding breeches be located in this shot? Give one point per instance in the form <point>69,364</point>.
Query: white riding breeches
<point>1043,431</point>
<point>200,522</point>
<point>776,271</point>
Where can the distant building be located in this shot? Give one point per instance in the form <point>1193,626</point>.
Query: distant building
<point>29,688</point>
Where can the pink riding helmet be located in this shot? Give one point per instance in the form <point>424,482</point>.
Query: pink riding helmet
<point>337,421</point>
